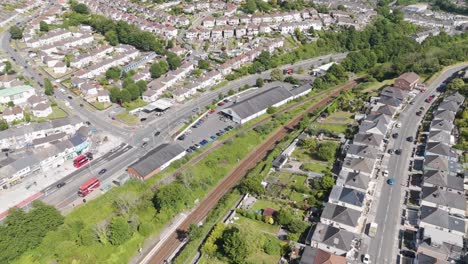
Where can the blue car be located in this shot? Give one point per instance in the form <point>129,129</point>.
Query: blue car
<point>203,142</point>
<point>213,138</point>
<point>391,181</point>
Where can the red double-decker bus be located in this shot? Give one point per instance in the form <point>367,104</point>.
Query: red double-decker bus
<point>80,161</point>
<point>89,187</point>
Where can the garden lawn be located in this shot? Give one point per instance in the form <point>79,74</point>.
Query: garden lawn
<point>316,166</point>
<point>334,128</point>
<point>258,225</point>
<point>57,113</point>
<point>262,257</point>
<point>262,204</point>
<point>127,118</point>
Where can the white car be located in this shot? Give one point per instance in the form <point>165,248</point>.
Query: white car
<point>398,125</point>
<point>385,173</point>
<point>366,259</point>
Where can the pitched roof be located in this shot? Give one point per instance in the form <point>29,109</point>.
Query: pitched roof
<point>444,115</point>
<point>394,92</point>
<point>456,97</point>
<point>368,139</point>
<point>362,151</point>
<point>259,102</point>
<point>449,105</point>
<point>436,162</point>
<point>373,127</point>
<point>334,237</point>
<point>441,218</point>
<point>353,180</point>
<point>15,90</point>
<point>387,100</point>
<point>441,125</point>
<point>347,195</point>
<point>386,110</point>
<point>41,107</point>
<point>443,179</point>
<point>439,148</point>
<point>364,165</point>
<point>443,197</point>
<point>410,77</point>
<point>156,158</point>
<point>341,214</point>
<point>439,136</point>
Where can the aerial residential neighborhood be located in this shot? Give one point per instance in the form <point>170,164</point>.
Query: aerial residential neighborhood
<point>241,131</point>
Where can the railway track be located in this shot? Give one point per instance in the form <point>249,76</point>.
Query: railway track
<point>209,202</point>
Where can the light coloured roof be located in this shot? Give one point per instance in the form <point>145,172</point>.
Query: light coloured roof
<point>15,90</point>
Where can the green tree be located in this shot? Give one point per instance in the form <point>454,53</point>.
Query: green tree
<point>142,85</point>
<point>327,182</point>
<point>235,246</point>
<point>326,151</point>
<point>48,87</point>
<point>112,37</point>
<point>204,64</point>
<point>125,96</point>
<point>259,82</point>
<point>283,216</point>
<point>173,60</point>
<point>113,73</point>
<point>3,124</point>
<point>297,226</point>
<point>271,110</point>
<point>249,7</point>
<point>172,196</point>
<point>115,95</point>
<point>158,68</point>
<point>8,67</point>
<point>43,26</point>
<point>87,237</point>
<point>277,75</point>
<point>119,231</point>
<point>80,8</point>
<point>456,84</point>
<point>309,143</point>
<point>16,32</point>
<point>251,185</point>
<point>134,91</point>
<point>194,231</point>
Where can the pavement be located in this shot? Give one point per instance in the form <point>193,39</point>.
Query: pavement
<point>383,248</point>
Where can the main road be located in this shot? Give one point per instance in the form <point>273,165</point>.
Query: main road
<point>383,247</point>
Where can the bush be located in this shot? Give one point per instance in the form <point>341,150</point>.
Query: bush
<point>119,231</point>
<point>272,247</point>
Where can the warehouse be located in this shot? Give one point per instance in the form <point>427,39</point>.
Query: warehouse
<point>155,161</point>
<point>256,105</point>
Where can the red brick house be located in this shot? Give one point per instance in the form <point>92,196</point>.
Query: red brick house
<point>407,81</point>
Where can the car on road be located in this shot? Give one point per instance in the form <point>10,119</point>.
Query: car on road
<point>144,144</point>
<point>81,105</point>
<point>213,138</point>
<point>398,151</point>
<point>391,181</point>
<point>410,139</point>
<point>419,113</point>
<point>429,99</point>
<point>204,142</point>
<point>390,151</point>
<point>385,173</point>
<point>366,259</point>
<point>40,74</point>
<point>157,133</point>
<point>181,137</point>
<point>195,109</point>
<point>395,135</point>
<point>102,171</point>
<point>60,184</point>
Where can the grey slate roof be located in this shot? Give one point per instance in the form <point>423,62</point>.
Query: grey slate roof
<point>364,165</point>
<point>259,102</point>
<point>347,195</point>
<point>373,127</point>
<point>51,138</point>
<point>436,162</point>
<point>443,179</point>
<point>441,218</point>
<point>341,214</point>
<point>362,151</point>
<point>444,115</point>
<point>378,117</point>
<point>156,158</point>
<point>387,100</point>
<point>334,237</point>
<point>443,197</point>
<point>394,92</point>
<point>441,125</point>
<point>386,110</point>
<point>368,139</point>
<point>450,106</point>
<point>455,97</point>
<point>353,180</point>
<point>439,136</point>
<point>441,149</point>
<point>56,123</point>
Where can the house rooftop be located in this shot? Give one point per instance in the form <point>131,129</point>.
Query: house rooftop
<point>156,158</point>
<point>341,214</point>
<point>333,237</point>
<point>441,218</point>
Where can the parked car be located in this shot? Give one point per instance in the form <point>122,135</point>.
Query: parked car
<point>385,173</point>
<point>81,105</point>
<point>144,144</point>
<point>213,138</point>
<point>398,151</point>
<point>212,111</point>
<point>366,259</point>
<point>395,135</point>
<point>391,181</point>
<point>60,184</point>
<point>221,103</point>
<point>157,133</point>
<point>102,171</point>
<point>181,137</point>
<point>390,151</point>
<point>410,139</point>
<point>419,113</point>
<point>193,148</point>
<point>204,142</point>
<point>189,150</point>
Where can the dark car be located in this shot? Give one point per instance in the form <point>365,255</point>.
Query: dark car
<point>181,137</point>
<point>390,151</point>
<point>61,184</point>
<point>193,148</point>
<point>419,113</point>
<point>395,135</point>
<point>102,171</point>
<point>203,142</point>
<point>219,134</point>
<point>157,133</point>
<point>221,103</point>
<point>144,144</point>
<point>398,151</point>
<point>189,150</point>
<point>408,254</point>
<point>410,139</point>
<point>213,137</point>
<point>81,105</point>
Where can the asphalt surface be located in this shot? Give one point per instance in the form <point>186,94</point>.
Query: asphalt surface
<point>383,247</point>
